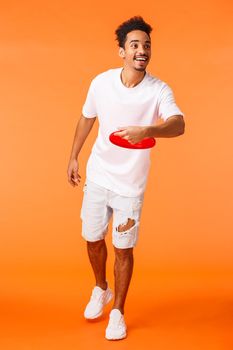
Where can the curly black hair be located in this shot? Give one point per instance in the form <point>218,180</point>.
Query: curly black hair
<point>134,23</point>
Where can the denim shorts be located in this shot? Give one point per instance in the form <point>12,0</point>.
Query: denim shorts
<point>98,206</point>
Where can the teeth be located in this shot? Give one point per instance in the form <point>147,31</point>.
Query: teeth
<point>140,59</point>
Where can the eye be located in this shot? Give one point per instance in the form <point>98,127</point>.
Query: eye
<point>147,46</point>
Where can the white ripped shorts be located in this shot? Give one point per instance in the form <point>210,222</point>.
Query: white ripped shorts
<point>99,204</point>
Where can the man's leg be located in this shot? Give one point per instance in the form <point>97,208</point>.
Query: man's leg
<point>124,238</point>
<point>101,293</point>
<point>123,270</point>
<point>97,252</point>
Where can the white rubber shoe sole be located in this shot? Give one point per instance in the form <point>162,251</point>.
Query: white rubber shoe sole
<point>115,336</point>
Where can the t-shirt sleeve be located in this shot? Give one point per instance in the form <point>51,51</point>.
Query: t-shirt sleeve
<point>167,106</point>
<point>89,107</point>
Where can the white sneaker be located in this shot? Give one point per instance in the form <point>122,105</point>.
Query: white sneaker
<point>99,298</point>
<point>116,328</point>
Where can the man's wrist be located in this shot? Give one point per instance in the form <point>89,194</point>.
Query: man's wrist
<point>149,131</point>
<point>73,157</point>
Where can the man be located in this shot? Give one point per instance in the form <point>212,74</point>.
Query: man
<point>131,100</point>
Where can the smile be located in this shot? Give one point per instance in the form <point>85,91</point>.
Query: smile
<point>141,59</point>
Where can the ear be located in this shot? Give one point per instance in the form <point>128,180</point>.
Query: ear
<point>121,52</point>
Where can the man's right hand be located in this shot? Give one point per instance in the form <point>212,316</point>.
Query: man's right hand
<point>73,176</point>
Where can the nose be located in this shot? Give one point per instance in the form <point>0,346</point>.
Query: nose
<point>142,51</point>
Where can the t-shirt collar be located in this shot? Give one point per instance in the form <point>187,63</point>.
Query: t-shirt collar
<point>142,82</point>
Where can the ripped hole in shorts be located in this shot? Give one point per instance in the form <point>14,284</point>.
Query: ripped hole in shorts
<point>126,226</point>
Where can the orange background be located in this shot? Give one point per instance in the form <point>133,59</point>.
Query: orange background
<point>180,295</point>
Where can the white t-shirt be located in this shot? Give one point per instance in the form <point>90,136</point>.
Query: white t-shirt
<point>124,170</point>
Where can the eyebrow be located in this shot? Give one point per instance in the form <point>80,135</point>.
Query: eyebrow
<point>147,41</point>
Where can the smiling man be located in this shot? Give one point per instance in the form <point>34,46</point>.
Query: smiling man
<point>128,98</point>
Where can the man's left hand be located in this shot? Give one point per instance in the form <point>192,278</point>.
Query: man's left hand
<point>132,134</point>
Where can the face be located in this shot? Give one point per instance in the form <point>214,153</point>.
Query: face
<point>137,52</point>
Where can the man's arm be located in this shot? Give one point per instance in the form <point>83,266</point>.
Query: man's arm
<point>83,128</point>
<point>173,126</point>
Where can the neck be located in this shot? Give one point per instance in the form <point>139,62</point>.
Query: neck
<point>131,78</point>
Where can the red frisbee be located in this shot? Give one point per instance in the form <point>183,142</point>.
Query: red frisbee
<point>148,142</point>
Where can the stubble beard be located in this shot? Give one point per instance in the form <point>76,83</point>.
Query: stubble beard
<point>140,69</point>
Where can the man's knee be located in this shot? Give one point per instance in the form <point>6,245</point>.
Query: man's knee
<point>122,254</point>
<point>95,246</point>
